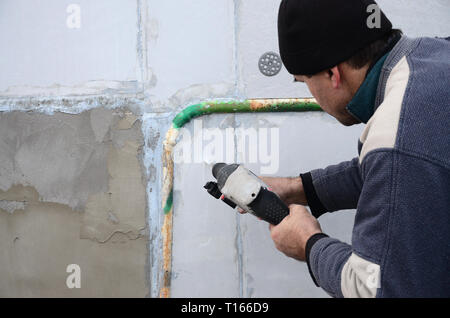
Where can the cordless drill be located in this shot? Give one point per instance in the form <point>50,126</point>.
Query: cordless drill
<point>238,186</point>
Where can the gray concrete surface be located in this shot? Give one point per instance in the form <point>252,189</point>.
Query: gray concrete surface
<point>72,189</point>
<point>83,113</point>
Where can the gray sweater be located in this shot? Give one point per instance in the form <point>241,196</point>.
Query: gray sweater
<point>399,184</point>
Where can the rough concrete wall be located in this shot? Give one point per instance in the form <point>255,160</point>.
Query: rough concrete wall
<point>84,110</point>
<point>72,191</point>
<point>73,181</point>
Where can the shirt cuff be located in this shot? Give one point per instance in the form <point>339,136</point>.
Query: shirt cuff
<point>309,244</point>
<point>316,207</point>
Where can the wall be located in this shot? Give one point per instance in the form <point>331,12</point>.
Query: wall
<point>84,108</point>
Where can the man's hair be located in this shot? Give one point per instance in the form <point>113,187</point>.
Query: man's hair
<point>375,50</point>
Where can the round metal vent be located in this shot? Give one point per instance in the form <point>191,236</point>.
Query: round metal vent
<point>270,64</point>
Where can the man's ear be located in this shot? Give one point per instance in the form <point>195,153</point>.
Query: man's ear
<point>335,76</point>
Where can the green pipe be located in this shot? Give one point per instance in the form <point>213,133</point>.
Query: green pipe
<point>247,106</point>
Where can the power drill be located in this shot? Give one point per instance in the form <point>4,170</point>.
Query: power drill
<point>238,186</point>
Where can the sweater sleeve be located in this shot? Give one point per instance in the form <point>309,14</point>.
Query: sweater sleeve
<point>400,233</point>
<point>334,188</point>
<point>353,271</point>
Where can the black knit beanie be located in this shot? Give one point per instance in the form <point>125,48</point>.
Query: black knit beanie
<point>315,35</point>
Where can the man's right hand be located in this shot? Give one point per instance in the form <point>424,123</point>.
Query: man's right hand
<point>290,190</point>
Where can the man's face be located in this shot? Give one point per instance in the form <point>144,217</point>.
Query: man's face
<point>332,97</point>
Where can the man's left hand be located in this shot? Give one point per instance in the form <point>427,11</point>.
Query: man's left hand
<point>291,235</point>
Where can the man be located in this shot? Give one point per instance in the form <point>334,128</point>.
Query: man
<point>400,183</point>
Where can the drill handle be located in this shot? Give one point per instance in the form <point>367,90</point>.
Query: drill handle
<point>269,207</point>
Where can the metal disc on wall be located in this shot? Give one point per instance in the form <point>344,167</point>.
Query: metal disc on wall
<point>270,64</point>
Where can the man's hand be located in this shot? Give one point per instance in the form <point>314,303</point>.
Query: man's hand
<point>290,190</point>
<point>291,235</point>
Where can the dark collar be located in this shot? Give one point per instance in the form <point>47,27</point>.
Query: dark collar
<point>363,103</point>
<point>362,106</point>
